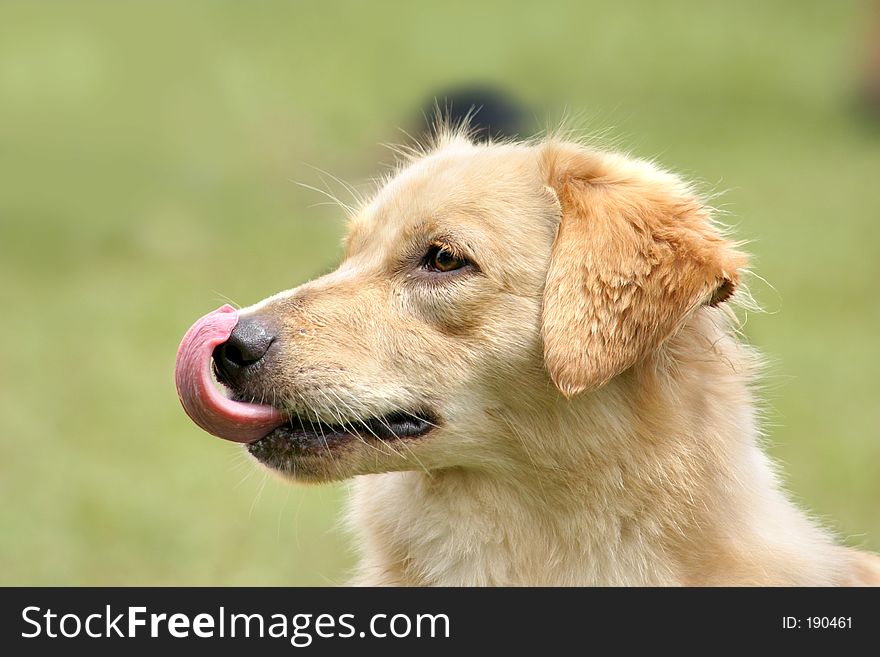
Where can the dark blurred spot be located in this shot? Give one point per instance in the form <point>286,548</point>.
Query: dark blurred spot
<point>870,88</point>
<point>490,112</point>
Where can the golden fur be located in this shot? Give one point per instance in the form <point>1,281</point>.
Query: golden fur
<point>598,418</point>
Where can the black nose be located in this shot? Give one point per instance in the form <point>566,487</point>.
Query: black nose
<point>249,342</point>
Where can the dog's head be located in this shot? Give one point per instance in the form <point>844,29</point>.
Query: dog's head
<point>480,285</point>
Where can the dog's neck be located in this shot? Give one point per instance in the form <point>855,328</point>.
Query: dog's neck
<point>655,479</point>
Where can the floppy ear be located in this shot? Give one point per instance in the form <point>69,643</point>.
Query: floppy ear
<point>634,255</point>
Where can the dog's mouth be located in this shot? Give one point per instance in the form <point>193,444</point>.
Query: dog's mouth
<point>301,436</point>
<point>267,428</point>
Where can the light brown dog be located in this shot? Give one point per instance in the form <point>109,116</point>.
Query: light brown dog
<point>527,363</point>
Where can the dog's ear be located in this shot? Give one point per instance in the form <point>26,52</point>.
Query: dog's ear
<point>634,255</point>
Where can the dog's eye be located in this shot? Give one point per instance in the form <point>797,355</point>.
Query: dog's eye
<point>442,259</point>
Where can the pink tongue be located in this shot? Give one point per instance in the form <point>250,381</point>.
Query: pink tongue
<point>201,400</point>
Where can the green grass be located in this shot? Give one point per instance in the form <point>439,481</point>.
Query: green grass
<point>147,159</point>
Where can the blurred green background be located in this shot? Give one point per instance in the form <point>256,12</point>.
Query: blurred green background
<point>148,159</point>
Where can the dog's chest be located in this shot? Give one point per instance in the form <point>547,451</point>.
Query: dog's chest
<point>428,537</point>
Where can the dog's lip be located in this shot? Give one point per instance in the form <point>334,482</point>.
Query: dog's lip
<point>301,436</point>
<point>203,402</point>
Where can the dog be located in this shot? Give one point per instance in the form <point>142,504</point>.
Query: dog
<point>529,364</point>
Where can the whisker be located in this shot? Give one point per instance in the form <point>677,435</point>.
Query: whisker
<point>345,206</point>
<point>321,429</point>
<point>366,426</point>
<point>356,195</point>
<point>314,431</point>
<point>341,420</point>
<point>403,442</point>
<point>259,494</point>
<point>421,419</point>
<point>227,299</point>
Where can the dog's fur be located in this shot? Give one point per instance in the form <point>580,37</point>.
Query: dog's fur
<point>596,418</point>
